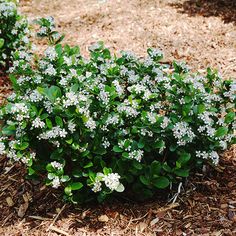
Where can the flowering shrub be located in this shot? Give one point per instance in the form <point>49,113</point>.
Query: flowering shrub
<point>14,32</point>
<point>108,123</point>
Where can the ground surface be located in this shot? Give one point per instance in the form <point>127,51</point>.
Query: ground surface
<point>203,33</point>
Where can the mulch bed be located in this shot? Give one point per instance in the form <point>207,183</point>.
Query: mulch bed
<point>194,31</point>
<point>205,206</point>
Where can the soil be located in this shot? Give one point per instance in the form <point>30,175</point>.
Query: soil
<point>202,33</point>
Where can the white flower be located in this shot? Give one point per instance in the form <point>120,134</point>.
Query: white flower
<point>37,123</point>
<point>104,97</point>
<point>90,124</point>
<point>25,39</point>
<point>48,106</point>
<point>165,122</point>
<point>137,155</point>
<point>118,87</point>
<point>97,186</point>
<point>35,96</point>
<point>56,182</point>
<point>212,156</point>
<point>71,127</point>
<point>50,70</point>
<point>105,143</point>
<point>182,130</point>
<point>151,117</point>
<point>71,99</point>
<point>55,132</point>
<point>57,165</point>
<point>112,181</point>
<point>223,145</point>
<point>2,148</point>
<point>50,53</point>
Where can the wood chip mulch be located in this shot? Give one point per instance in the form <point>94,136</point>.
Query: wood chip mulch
<point>206,205</point>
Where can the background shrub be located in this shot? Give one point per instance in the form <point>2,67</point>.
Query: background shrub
<point>13,32</point>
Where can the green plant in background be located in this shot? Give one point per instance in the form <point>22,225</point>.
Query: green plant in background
<point>106,124</point>
<point>14,32</point>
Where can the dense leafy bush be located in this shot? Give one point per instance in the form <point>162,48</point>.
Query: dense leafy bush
<point>13,32</point>
<point>101,125</point>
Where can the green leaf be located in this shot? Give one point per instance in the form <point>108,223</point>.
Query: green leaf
<point>230,117</point>
<point>76,186</point>
<point>221,131</point>
<point>49,168</point>
<point>44,116</point>
<point>90,164</point>
<point>31,171</point>
<point>107,171</point>
<point>156,168</point>
<point>144,180</point>
<point>117,149</point>
<point>125,154</point>
<point>21,146</point>
<point>182,172</point>
<point>161,182</point>
<point>173,147</point>
<point>1,42</point>
<point>58,49</point>
<point>49,123</point>
<point>137,165</point>
<point>141,143</point>
<point>65,178</point>
<point>159,144</point>
<point>59,121</point>
<point>9,130</point>
<point>69,141</point>
<point>184,158</point>
<point>67,190</point>
<point>201,108</point>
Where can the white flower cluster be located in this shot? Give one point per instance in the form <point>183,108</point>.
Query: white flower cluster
<point>105,142</point>
<point>208,122</point>
<point>56,183</point>
<point>231,94</point>
<point>137,155</point>
<point>55,132</point>
<point>7,9</point>
<point>56,165</point>
<point>165,122</point>
<point>183,133</point>
<point>71,127</point>
<point>2,148</point>
<point>212,156</point>
<point>128,108</point>
<point>20,110</point>
<point>104,97</point>
<point>112,181</point>
<point>90,124</point>
<point>71,99</point>
<point>37,123</point>
<point>119,88</point>
<point>152,117</point>
<point>50,53</point>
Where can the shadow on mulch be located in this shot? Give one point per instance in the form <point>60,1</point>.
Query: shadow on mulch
<point>225,9</point>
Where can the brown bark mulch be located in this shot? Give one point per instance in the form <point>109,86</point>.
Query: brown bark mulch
<point>203,33</point>
<point>206,205</point>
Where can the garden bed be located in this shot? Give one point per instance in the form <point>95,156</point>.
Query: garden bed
<point>207,204</point>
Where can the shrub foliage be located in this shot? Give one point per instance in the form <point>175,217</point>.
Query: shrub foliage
<point>13,32</point>
<point>108,123</point>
